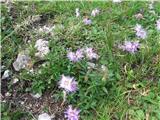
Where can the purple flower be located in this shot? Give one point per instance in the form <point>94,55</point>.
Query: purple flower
<point>158,24</point>
<point>68,84</point>
<point>90,54</point>
<point>72,114</point>
<point>79,54</point>
<point>95,12</point>
<point>87,21</point>
<point>75,56</point>
<point>140,32</point>
<point>72,56</point>
<point>129,46</point>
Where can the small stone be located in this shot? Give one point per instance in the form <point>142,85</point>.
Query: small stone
<point>6,74</point>
<point>44,116</point>
<point>42,48</point>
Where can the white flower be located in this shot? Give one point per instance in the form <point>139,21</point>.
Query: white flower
<point>44,116</point>
<point>77,12</point>
<point>95,12</point>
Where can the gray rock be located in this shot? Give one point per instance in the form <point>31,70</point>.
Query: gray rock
<point>44,116</point>
<point>22,61</point>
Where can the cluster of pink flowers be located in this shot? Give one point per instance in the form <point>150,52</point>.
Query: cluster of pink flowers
<point>81,53</point>
<point>86,20</point>
<point>130,47</point>
<point>69,85</point>
<point>140,32</point>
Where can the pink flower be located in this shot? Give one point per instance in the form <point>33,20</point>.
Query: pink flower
<point>129,46</point>
<point>90,54</point>
<point>158,24</point>
<point>68,83</point>
<point>79,54</point>
<point>72,56</point>
<point>140,32</point>
<point>87,21</point>
<point>75,56</point>
<point>72,114</point>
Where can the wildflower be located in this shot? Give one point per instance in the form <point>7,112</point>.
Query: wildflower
<point>72,114</point>
<point>75,56</point>
<point>44,116</point>
<point>158,24</point>
<point>90,54</point>
<point>68,83</point>
<point>87,21</point>
<point>131,47</point>
<point>77,12</point>
<point>140,32</point>
<point>72,56</point>
<point>79,54</point>
<point>95,12</point>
